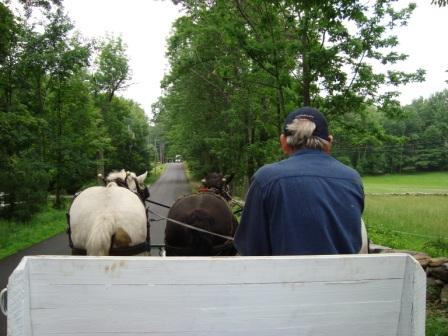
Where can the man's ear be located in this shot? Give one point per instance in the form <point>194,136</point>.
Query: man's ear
<point>284,144</point>
<point>328,145</point>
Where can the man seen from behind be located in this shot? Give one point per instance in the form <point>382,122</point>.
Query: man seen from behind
<point>307,204</point>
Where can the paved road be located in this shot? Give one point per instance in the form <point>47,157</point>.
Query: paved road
<point>171,185</point>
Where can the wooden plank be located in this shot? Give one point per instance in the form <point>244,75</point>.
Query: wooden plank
<point>413,300</point>
<point>19,311</point>
<point>319,295</point>
<point>134,270</point>
<point>198,307</point>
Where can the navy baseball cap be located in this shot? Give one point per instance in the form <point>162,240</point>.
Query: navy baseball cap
<point>312,114</point>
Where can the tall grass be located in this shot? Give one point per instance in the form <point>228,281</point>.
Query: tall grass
<point>417,223</point>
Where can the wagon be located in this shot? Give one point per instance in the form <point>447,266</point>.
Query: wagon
<point>289,295</point>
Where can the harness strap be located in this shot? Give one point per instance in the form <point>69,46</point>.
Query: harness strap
<point>216,250</point>
<point>191,226</point>
<point>114,251</point>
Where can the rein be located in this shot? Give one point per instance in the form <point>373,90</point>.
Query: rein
<point>191,226</point>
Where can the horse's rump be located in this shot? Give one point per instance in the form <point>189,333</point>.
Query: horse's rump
<point>102,218</point>
<point>207,211</point>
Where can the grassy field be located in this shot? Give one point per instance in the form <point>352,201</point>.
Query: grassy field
<point>409,222</point>
<point>422,182</point>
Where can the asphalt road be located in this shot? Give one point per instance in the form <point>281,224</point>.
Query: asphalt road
<point>171,185</point>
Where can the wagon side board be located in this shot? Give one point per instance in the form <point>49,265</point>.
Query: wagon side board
<point>291,295</point>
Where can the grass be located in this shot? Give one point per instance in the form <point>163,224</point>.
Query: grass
<point>16,236</point>
<point>155,173</point>
<point>418,223</point>
<point>436,182</point>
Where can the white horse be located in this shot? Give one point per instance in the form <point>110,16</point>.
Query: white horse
<point>108,217</point>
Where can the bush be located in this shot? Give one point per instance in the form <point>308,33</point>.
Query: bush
<point>24,186</point>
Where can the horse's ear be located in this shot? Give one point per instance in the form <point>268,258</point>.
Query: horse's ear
<point>229,178</point>
<point>141,179</point>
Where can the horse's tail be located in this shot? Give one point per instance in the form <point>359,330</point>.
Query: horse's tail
<point>200,241</point>
<point>100,236</point>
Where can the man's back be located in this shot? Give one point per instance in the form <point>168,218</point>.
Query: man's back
<point>309,203</point>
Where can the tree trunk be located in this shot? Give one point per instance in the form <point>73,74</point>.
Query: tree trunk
<point>306,71</point>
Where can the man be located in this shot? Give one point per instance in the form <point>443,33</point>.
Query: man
<point>309,203</point>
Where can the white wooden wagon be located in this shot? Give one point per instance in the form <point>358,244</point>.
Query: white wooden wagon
<point>376,295</point>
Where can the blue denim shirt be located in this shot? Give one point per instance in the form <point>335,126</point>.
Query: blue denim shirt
<point>307,204</point>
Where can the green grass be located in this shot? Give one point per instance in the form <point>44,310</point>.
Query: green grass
<point>16,236</point>
<point>410,222</point>
<point>436,182</point>
<point>437,324</point>
<point>418,223</point>
<point>155,173</point>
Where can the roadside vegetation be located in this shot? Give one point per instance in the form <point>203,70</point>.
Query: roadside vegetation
<point>17,235</point>
<point>155,173</point>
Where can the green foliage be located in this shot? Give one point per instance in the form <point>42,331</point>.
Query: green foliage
<point>15,236</point>
<point>237,68</point>
<point>56,116</point>
<point>24,182</point>
<point>128,130</point>
<point>112,67</point>
<point>437,325</point>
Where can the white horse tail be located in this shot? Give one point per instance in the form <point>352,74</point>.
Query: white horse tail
<point>100,236</point>
<point>365,239</point>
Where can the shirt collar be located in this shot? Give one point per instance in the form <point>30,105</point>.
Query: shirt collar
<point>304,151</point>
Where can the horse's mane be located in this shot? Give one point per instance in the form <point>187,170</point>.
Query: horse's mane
<point>114,175</point>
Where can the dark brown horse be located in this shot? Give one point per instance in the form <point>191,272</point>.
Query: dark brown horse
<point>207,210</point>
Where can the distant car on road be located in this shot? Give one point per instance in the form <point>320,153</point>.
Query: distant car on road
<point>178,158</point>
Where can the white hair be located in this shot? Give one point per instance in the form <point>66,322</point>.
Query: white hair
<point>300,135</point>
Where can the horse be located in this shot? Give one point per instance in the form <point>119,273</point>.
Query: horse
<point>208,210</point>
<point>110,219</point>
<point>218,183</point>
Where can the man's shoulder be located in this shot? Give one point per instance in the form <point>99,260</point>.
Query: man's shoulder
<point>270,172</point>
<point>316,165</point>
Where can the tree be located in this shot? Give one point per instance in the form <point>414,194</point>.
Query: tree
<point>128,130</point>
<point>111,75</point>
<point>237,68</point>
<point>66,60</point>
<point>113,71</point>
<point>23,176</point>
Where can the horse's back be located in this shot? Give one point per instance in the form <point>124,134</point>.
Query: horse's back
<point>114,208</point>
<point>207,211</point>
